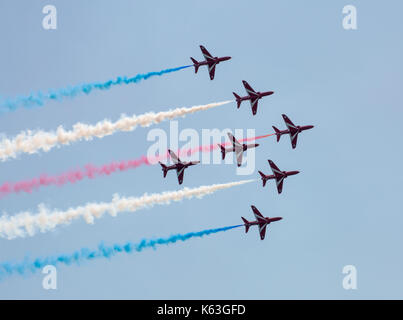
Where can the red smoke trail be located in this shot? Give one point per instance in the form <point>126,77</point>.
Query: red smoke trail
<point>90,171</point>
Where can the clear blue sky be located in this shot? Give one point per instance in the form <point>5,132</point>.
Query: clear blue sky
<point>345,207</point>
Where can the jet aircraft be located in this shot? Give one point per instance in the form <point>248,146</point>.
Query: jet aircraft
<point>261,221</point>
<point>210,62</point>
<point>277,175</point>
<point>252,96</point>
<point>178,165</point>
<point>292,130</point>
<point>237,147</point>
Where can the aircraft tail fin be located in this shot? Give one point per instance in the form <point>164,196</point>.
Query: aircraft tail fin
<point>164,168</point>
<point>238,100</point>
<point>278,134</point>
<point>263,177</point>
<point>195,63</point>
<point>246,222</point>
<point>222,151</point>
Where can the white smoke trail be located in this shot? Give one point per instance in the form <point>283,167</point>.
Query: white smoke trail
<point>28,224</point>
<point>32,141</point>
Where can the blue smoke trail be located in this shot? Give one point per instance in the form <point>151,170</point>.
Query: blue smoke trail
<point>39,98</point>
<point>7,269</point>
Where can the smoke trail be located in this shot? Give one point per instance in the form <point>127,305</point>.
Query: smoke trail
<point>91,171</point>
<point>31,142</point>
<point>88,171</point>
<point>101,252</point>
<point>28,224</point>
<point>39,98</point>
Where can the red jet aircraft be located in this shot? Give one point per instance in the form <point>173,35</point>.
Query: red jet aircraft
<point>278,175</point>
<point>293,131</point>
<point>237,147</point>
<point>261,221</point>
<point>210,61</point>
<point>179,166</point>
<point>253,96</point>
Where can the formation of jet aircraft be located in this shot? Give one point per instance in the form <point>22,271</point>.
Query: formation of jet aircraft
<point>239,148</point>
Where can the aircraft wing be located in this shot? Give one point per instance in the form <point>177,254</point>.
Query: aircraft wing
<point>294,138</point>
<point>279,183</point>
<point>289,123</point>
<point>174,157</point>
<point>206,54</point>
<point>293,130</point>
<point>211,69</point>
<point>276,171</point>
<point>253,103</point>
<point>248,88</point>
<point>180,172</point>
<point>259,217</point>
<point>234,141</point>
<point>239,154</point>
<point>262,230</point>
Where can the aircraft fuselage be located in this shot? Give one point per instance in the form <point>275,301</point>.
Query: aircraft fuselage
<point>179,166</point>
<point>215,60</point>
<point>259,95</point>
<point>290,173</point>
<point>299,129</point>
<point>244,147</point>
<point>268,221</point>
<point>284,173</point>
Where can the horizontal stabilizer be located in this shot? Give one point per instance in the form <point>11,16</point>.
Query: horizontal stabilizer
<point>222,152</point>
<point>278,134</point>
<point>238,100</point>
<point>246,222</point>
<point>263,176</point>
<point>195,64</point>
<point>164,169</point>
